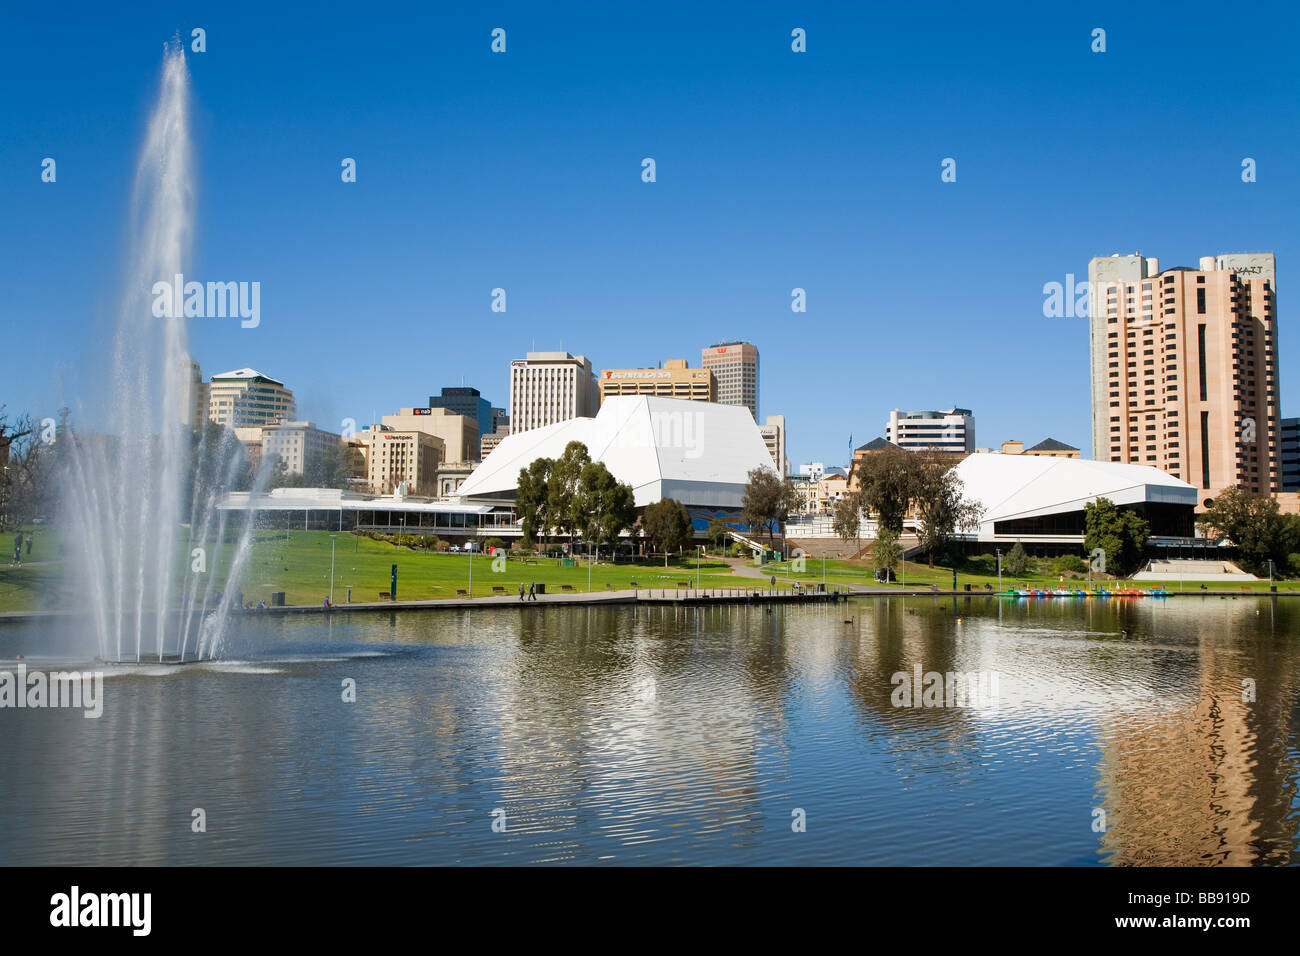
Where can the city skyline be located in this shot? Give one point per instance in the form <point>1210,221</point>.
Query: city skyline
<point>518,181</point>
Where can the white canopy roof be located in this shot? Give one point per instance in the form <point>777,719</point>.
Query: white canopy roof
<point>697,452</point>
<point>1025,486</point>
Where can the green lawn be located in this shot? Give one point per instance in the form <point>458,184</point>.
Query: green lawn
<point>298,563</point>
<point>921,575</point>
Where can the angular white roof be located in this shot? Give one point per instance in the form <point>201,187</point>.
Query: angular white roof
<point>1025,486</point>
<point>249,373</point>
<point>697,452</point>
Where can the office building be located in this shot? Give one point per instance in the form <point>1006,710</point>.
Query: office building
<point>673,380</point>
<point>735,371</point>
<point>463,400</point>
<point>550,387</point>
<point>247,398</point>
<point>773,432</point>
<point>193,393</point>
<point>1184,369</point>
<point>299,447</point>
<point>458,434</point>
<point>408,457</point>
<point>1290,445</point>
<point>952,430</point>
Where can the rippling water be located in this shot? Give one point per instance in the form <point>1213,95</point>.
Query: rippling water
<point>682,736</point>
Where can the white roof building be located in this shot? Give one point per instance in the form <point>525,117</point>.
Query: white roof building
<point>699,453</point>
<point>1016,489</point>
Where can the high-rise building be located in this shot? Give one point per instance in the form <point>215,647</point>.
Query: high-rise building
<point>194,394</point>
<point>458,434</point>
<point>773,433</point>
<point>1184,369</point>
<point>1290,445</point>
<point>674,380</point>
<point>463,400</point>
<point>395,457</point>
<point>735,369</point>
<point>952,430</point>
<point>299,446</point>
<point>550,387</point>
<point>245,398</point>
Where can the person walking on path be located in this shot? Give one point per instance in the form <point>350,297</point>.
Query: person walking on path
<point>532,591</point>
<point>521,590</point>
<point>18,550</point>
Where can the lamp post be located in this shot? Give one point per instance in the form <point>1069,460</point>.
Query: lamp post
<point>332,537</point>
<point>471,573</point>
<point>698,548</point>
<point>999,553</point>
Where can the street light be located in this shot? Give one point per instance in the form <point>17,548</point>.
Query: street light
<point>698,548</point>
<point>332,537</point>
<point>999,553</point>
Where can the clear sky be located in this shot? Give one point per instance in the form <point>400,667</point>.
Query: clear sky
<point>775,170</point>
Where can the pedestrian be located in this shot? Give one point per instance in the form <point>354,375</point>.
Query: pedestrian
<point>18,549</point>
<point>532,591</point>
<point>521,590</point>
<point>326,604</point>
<point>30,537</point>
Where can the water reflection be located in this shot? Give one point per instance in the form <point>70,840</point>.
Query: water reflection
<point>687,735</point>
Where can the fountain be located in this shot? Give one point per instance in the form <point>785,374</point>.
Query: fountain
<point>150,545</point>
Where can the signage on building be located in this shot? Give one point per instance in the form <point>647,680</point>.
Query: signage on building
<point>422,411</point>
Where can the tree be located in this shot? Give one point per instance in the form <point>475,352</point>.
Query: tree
<point>940,502</point>
<point>667,525</point>
<point>563,487</point>
<point>768,500</point>
<point>1252,523</point>
<point>602,506</point>
<point>847,517</point>
<point>532,499</point>
<point>886,551</point>
<point>1120,533</point>
<point>887,483</point>
<point>718,532</point>
<point>1016,561</point>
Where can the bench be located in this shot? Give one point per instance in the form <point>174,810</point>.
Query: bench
<point>461,592</point>
<point>566,587</point>
<point>498,589</point>
<point>633,584</point>
<point>384,595</point>
<point>683,584</point>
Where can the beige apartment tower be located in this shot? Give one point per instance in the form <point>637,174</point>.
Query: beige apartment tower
<point>550,387</point>
<point>674,380</point>
<point>1184,369</point>
<point>735,368</point>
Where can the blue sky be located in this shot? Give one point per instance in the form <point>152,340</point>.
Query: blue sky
<point>775,170</point>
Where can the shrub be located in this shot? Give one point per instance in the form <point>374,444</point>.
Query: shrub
<point>1071,563</point>
<point>442,546</point>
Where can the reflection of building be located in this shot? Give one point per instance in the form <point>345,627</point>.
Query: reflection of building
<point>1184,369</point>
<point>773,432</point>
<point>458,434</point>
<point>246,397</point>
<point>952,430</point>
<point>673,380</point>
<point>550,387</point>
<point>735,369</point>
<point>1205,778</point>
